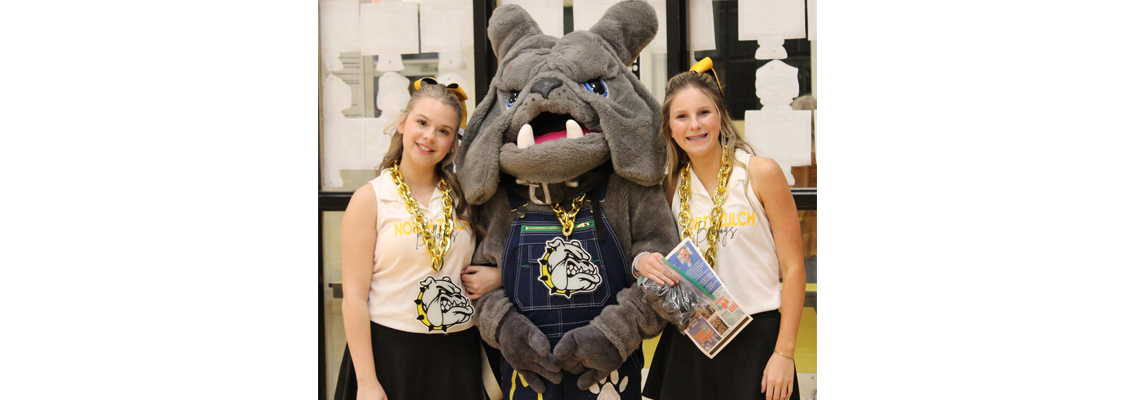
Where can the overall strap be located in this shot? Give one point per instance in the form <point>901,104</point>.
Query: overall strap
<point>515,200</point>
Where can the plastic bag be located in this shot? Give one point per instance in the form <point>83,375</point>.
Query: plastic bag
<point>677,303</point>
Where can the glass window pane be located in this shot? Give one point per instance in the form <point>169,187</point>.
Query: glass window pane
<point>736,66</point>
<point>363,90</point>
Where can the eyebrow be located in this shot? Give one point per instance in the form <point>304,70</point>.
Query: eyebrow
<point>701,108</point>
<point>429,119</point>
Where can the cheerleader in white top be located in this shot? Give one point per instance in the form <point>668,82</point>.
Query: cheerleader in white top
<point>739,210</point>
<point>406,241</point>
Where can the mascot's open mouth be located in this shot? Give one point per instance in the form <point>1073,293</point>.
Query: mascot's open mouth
<point>547,127</point>
<point>584,272</point>
<point>459,307</point>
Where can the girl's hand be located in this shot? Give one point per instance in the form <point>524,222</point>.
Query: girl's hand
<point>778,378</point>
<point>652,266</point>
<point>371,392</point>
<point>480,280</point>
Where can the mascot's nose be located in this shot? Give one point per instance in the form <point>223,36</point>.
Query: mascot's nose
<point>545,85</point>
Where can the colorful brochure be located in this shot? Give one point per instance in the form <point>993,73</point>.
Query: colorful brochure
<point>719,318</point>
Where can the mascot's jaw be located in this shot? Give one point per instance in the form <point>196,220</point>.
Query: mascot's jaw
<point>584,270</point>
<point>526,136</point>
<point>446,305</point>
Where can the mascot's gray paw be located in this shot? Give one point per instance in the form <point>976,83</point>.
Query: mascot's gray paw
<point>528,351</point>
<point>587,349</point>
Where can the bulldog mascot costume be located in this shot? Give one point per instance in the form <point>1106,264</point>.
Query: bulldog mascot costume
<point>564,159</point>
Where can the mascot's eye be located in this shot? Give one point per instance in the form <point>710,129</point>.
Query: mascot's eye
<point>512,97</point>
<point>596,86</point>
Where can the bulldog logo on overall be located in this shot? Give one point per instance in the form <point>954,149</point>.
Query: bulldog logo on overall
<point>567,268</point>
<point>442,304</point>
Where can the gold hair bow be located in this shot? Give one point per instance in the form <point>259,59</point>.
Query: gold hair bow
<point>706,64</point>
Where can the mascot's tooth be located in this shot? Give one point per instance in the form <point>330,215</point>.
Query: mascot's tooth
<point>526,137</point>
<point>573,130</point>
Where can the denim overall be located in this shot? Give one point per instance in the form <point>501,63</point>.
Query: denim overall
<point>556,312</point>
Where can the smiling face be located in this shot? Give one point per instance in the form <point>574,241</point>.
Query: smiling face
<point>429,132</point>
<point>694,122</point>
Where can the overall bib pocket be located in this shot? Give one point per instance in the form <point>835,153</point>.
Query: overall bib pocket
<point>555,272</point>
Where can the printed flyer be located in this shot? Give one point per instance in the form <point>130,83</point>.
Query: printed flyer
<point>719,319</point>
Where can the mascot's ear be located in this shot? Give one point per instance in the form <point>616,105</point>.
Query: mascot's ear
<point>477,164</point>
<point>427,281</point>
<point>628,27</point>
<point>508,25</point>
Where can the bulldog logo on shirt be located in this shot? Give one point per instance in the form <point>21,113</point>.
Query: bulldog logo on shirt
<point>442,304</point>
<point>567,268</point>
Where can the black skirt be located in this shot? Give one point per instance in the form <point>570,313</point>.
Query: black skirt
<point>681,371</point>
<point>420,366</point>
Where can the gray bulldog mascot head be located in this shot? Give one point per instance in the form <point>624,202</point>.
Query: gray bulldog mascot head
<point>561,112</point>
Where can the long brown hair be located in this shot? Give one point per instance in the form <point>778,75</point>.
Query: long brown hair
<point>675,157</point>
<point>444,168</point>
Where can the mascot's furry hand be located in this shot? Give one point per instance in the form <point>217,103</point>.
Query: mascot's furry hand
<point>587,349</point>
<point>528,351</point>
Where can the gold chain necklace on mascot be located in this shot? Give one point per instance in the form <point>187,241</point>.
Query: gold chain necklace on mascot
<point>719,197</point>
<point>421,224</point>
<point>567,218</point>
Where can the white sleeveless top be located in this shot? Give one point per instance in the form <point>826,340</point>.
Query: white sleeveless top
<point>746,257</point>
<point>406,294</point>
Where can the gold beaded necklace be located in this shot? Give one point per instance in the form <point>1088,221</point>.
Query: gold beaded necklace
<point>421,224</point>
<point>567,218</point>
<point>719,197</point>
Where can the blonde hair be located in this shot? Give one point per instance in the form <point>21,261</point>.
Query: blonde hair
<point>675,157</point>
<point>444,168</point>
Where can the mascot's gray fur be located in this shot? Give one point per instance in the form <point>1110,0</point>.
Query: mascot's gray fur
<point>542,78</point>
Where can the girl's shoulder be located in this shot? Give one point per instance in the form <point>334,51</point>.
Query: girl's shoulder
<point>366,192</point>
<point>764,168</point>
<point>767,178</point>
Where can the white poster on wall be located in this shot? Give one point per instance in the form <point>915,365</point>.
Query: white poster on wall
<point>811,20</point>
<point>783,135</point>
<point>389,62</point>
<point>547,13</point>
<point>354,143</point>
<point>389,27</point>
<point>703,33</point>
<point>776,131</point>
<point>769,22</point>
<point>336,96</point>
<point>446,25</point>
<point>339,31</point>
<point>373,143</point>
<point>352,74</point>
<point>780,18</point>
<point>392,92</point>
<point>658,44</point>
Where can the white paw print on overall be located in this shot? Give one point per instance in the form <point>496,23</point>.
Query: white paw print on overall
<point>605,389</point>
